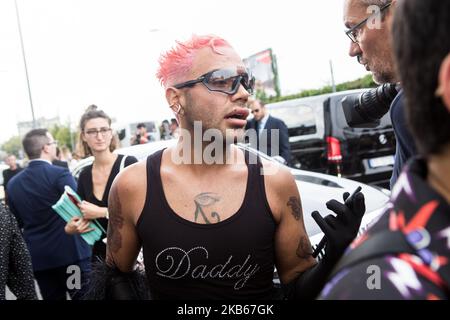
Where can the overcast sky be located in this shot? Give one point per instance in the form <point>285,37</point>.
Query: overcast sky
<point>104,52</point>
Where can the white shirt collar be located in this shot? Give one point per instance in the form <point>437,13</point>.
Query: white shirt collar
<point>40,160</point>
<point>263,121</point>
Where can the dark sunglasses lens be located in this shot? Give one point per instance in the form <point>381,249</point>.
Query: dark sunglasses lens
<point>250,84</point>
<point>221,80</point>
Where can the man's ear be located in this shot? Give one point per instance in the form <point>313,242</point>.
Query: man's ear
<point>444,82</point>
<point>45,149</point>
<point>175,100</point>
<point>172,96</point>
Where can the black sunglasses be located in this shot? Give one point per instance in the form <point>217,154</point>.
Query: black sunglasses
<point>352,32</point>
<point>223,80</point>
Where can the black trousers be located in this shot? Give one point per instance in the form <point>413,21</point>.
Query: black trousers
<point>53,283</point>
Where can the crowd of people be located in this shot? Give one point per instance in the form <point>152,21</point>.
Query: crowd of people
<point>167,130</point>
<point>218,229</point>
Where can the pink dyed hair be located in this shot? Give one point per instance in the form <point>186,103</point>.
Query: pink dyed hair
<point>176,63</point>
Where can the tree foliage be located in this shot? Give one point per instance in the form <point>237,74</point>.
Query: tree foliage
<point>13,145</point>
<point>365,82</point>
<point>62,133</point>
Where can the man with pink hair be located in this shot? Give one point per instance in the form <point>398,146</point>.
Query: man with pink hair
<point>214,227</point>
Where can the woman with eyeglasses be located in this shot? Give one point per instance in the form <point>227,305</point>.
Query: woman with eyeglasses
<point>97,139</point>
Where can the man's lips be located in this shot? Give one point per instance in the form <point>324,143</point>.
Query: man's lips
<point>363,63</point>
<point>238,113</point>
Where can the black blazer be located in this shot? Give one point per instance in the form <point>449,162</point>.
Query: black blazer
<point>284,149</point>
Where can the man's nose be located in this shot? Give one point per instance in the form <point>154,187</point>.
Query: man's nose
<point>241,94</point>
<point>354,50</point>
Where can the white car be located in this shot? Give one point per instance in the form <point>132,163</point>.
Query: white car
<point>315,188</point>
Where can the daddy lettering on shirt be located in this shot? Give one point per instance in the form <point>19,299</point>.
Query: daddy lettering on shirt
<point>175,263</point>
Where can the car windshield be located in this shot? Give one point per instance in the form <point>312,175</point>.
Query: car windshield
<point>300,120</point>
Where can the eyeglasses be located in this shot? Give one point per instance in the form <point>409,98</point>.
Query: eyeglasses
<point>353,32</point>
<point>223,80</point>
<point>92,133</point>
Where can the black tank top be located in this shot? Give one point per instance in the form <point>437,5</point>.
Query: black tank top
<point>231,259</point>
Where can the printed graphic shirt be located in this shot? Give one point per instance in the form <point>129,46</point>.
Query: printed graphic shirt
<point>423,216</point>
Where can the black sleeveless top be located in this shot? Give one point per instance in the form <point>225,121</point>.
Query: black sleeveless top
<point>231,259</point>
<point>86,192</point>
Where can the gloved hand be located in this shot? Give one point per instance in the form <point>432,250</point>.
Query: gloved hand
<point>340,230</point>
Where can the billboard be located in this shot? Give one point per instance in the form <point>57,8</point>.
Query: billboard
<point>264,67</point>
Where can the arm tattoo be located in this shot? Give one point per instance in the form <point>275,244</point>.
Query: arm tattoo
<point>203,200</point>
<point>115,222</point>
<point>304,250</point>
<point>296,207</point>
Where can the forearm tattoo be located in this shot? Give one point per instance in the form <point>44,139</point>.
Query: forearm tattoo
<point>204,200</point>
<point>115,222</point>
<point>304,250</point>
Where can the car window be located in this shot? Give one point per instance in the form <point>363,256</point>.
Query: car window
<point>300,120</point>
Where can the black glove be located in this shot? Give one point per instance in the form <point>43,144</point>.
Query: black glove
<point>339,232</point>
<point>342,229</point>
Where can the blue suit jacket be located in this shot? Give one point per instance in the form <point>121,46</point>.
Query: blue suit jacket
<point>31,195</point>
<point>405,147</point>
<point>284,149</point>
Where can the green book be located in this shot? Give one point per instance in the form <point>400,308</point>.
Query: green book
<point>67,208</point>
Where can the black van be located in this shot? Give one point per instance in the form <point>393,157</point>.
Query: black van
<point>322,141</point>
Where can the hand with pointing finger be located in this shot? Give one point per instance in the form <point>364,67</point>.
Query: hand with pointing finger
<point>342,229</point>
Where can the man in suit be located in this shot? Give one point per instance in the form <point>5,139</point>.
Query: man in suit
<point>31,196</point>
<point>265,124</point>
<point>8,174</point>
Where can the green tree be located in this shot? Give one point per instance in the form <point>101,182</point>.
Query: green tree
<point>62,134</point>
<point>13,146</point>
<point>365,82</point>
<point>261,95</point>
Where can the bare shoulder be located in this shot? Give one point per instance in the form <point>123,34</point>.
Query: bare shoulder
<point>277,177</point>
<point>280,186</point>
<point>130,189</point>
